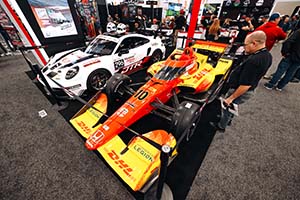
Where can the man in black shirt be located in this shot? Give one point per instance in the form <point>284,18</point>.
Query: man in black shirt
<point>180,23</point>
<point>245,26</point>
<point>244,79</point>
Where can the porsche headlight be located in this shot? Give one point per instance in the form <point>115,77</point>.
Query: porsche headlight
<point>72,72</point>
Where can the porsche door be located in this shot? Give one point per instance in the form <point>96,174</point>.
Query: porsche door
<point>130,53</point>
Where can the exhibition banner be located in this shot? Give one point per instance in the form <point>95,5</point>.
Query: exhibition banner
<point>54,17</point>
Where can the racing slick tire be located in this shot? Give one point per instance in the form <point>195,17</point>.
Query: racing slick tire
<point>114,85</point>
<point>97,80</point>
<point>185,119</point>
<point>166,193</point>
<point>156,56</point>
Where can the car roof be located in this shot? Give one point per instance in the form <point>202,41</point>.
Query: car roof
<point>117,37</point>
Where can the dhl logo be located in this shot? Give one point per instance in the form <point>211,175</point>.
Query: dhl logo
<point>121,164</point>
<point>84,127</point>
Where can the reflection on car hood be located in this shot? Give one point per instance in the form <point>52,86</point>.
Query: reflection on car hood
<point>68,59</point>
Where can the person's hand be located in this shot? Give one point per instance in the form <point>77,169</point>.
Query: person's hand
<point>228,101</point>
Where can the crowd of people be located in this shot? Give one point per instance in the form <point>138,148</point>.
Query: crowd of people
<point>257,42</point>
<point>258,37</point>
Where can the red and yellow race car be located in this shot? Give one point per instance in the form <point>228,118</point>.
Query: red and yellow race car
<point>173,93</point>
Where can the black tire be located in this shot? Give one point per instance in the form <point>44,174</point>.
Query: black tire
<point>97,80</point>
<point>166,193</point>
<point>114,85</point>
<point>156,56</point>
<point>185,119</point>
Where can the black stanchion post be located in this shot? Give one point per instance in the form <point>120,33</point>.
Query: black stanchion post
<point>164,159</point>
<point>28,61</point>
<point>38,70</point>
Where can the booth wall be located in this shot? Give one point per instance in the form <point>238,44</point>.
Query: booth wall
<point>285,7</point>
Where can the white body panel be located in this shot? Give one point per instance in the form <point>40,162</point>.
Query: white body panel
<point>113,62</point>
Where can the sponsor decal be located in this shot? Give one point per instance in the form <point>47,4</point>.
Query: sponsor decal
<point>90,63</point>
<point>95,113</point>
<point>189,67</point>
<point>205,71</point>
<point>130,67</point>
<point>65,60</point>
<point>154,44</point>
<point>97,136</point>
<point>116,40</point>
<point>130,104</point>
<point>188,105</point>
<point>122,112</point>
<point>130,59</point>
<point>84,127</point>
<point>121,164</point>
<point>105,127</point>
<point>143,152</point>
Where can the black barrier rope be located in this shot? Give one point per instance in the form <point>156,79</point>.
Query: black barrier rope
<point>41,75</point>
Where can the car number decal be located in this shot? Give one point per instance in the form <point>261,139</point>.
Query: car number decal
<point>119,64</point>
<point>141,95</point>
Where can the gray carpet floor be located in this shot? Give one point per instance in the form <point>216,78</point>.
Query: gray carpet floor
<point>258,157</point>
<point>42,158</point>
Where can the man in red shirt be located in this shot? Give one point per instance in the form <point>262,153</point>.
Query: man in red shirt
<point>272,30</point>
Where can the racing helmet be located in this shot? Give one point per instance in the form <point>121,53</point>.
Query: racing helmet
<point>111,27</point>
<point>121,28</point>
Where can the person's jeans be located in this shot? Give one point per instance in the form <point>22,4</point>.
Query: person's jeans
<point>297,75</point>
<point>227,116</point>
<point>286,67</point>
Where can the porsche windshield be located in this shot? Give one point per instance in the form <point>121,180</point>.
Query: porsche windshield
<point>169,73</point>
<point>101,47</point>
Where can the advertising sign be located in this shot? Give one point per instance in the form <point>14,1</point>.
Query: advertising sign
<point>54,17</point>
<point>173,9</point>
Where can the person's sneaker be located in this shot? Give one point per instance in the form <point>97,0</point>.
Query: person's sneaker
<point>295,80</point>
<point>278,89</point>
<point>268,86</point>
<point>268,77</point>
<point>216,127</point>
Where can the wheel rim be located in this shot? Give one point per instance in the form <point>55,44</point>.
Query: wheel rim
<point>98,81</point>
<point>156,57</point>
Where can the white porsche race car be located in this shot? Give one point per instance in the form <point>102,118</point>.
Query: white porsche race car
<point>79,70</point>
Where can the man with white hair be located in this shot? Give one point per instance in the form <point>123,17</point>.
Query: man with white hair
<point>244,79</point>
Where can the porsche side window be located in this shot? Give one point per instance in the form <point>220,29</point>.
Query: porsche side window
<point>139,41</point>
<point>125,44</point>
